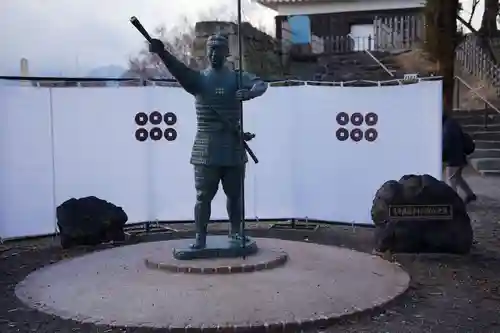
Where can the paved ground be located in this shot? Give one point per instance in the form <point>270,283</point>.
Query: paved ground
<point>317,281</point>
<point>447,293</point>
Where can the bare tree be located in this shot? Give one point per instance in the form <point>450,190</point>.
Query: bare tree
<point>441,41</point>
<point>467,23</point>
<point>489,26</point>
<point>474,5</point>
<point>180,39</point>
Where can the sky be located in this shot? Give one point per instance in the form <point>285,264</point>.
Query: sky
<point>72,37</point>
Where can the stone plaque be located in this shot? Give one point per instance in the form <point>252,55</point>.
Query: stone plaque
<point>420,212</point>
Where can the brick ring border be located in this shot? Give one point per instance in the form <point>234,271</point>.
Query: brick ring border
<point>278,261</point>
<point>320,322</point>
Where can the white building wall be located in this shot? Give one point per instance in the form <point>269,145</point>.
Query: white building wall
<point>343,6</point>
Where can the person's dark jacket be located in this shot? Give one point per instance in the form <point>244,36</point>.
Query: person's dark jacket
<point>453,143</point>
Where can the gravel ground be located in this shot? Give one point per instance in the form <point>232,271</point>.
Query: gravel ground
<point>447,293</point>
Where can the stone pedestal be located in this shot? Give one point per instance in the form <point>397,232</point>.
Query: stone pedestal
<point>217,247</point>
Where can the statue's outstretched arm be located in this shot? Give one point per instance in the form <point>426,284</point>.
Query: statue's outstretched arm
<point>187,77</point>
<point>254,84</point>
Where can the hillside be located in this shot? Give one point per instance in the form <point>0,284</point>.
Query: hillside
<point>416,61</point>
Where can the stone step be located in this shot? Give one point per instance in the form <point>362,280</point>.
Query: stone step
<point>466,112</point>
<point>372,68</point>
<point>477,118</point>
<point>485,144</point>
<point>350,67</point>
<point>485,153</point>
<point>389,63</point>
<point>482,164</point>
<point>474,128</point>
<point>486,135</point>
<point>381,54</point>
<point>490,173</point>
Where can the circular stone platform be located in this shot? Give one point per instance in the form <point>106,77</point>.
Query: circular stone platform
<point>161,258</point>
<point>317,285</point>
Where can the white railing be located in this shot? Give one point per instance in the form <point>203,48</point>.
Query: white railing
<point>475,61</point>
<point>389,33</point>
<point>383,36</point>
<point>398,32</point>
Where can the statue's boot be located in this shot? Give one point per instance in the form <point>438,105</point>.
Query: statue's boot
<point>231,183</point>
<point>234,208</point>
<point>201,219</point>
<point>206,184</point>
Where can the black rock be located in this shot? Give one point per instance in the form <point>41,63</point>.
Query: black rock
<point>432,233</point>
<point>90,221</point>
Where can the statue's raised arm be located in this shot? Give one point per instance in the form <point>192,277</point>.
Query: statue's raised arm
<point>188,78</point>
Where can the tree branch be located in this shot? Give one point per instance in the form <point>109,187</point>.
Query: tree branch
<point>473,10</point>
<point>467,24</point>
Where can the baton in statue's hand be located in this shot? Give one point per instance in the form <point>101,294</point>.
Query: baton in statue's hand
<point>138,25</point>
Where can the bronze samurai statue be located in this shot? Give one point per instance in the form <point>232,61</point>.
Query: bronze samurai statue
<point>217,154</point>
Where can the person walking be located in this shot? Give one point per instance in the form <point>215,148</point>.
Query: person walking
<point>456,146</point>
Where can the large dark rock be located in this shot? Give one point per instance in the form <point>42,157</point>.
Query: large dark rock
<point>412,234</point>
<point>90,221</point>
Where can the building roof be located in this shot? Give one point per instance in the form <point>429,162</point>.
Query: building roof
<point>283,1</point>
<point>274,3</point>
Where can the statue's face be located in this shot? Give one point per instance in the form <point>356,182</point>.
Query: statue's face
<point>217,55</point>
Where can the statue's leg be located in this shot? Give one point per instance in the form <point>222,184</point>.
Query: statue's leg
<point>231,183</point>
<point>206,182</point>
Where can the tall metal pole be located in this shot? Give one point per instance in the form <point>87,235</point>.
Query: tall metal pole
<point>240,86</point>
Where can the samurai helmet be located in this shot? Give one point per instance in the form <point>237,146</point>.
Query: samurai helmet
<point>218,41</point>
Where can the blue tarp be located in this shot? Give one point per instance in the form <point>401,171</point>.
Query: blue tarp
<point>300,27</point>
